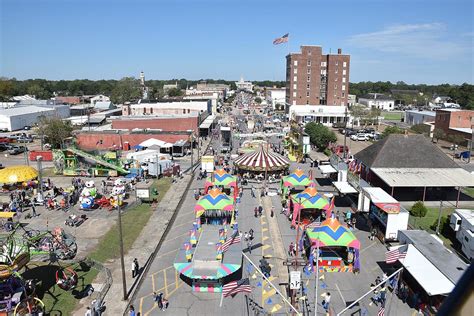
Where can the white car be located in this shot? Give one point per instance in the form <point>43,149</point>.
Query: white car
<point>360,137</point>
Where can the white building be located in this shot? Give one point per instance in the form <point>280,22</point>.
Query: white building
<point>275,96</point>
<point>351,99</point>
<point>378,101</point>
<point>17,118</point>
<point>161,108</point>
<point>462,222</point>
<point>324,114</point>
<point>414,117</point>
<point>211,96</point>
<point>244,85</point>
<point>99,98</point>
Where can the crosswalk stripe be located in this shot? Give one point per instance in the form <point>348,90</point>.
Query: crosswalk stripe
<point>276,308</point>
<point>265,238</point>
<point>264,229</point>
<point>267,294</point>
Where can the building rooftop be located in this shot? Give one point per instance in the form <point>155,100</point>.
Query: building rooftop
<point>430,113</point>
<point>20,110</point>
<point>466,130</point>
<point>468,215</point>
<point>443,259</point>
<point>376,96</point>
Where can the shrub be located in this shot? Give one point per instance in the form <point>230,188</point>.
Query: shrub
<point>418,209</point>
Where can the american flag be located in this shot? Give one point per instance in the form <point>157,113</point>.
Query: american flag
<point>381,311</point>
<point>282,39</point>
<point>394,255</point>
<point>235,287</point>
<point>234,239</point>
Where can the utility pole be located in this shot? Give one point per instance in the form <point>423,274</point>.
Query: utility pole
<point>122,263</point>
<point>344,154</point>
<point>472,141</point>
<point>439,216</point>
<point>40,176</point>
<point>316,283</point>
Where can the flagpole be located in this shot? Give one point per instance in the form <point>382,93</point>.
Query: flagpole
<point>222,297</point>
<point>317,283</point>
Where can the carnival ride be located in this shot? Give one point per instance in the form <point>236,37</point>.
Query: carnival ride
<point>305,207</point>
<point>261,161</point>
<point>202,261</point>
<point>75,162</point>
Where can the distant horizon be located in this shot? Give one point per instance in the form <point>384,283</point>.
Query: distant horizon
<point>425,41</point>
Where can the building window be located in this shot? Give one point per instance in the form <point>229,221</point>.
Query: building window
<point>307,101</point>
<point>323,72</point>
<point>343,87</point>
<point>309,63</point>
<point>335,79</point>
<point>335,87</point>
<point>325,119</point>
<point>295,71</point>
<point>294,86</point>
<point>331,119</point>
<point>307,86</point>
<point>151,110</point>
<point>337,63</point>
<point>323,64</point>
<point>294,102</point>
<point>309,71</point>
<point>295,63</point>
<point>343,94</point>
<point>344,64</point>
<point>344,72</point>
<point>294,94</point>
<point>307,93</point>
<point>335,71</point>
<point>344,79</point>
<point>294,78</point>
<point>309,79</point>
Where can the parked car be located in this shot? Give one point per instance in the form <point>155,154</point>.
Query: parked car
<point>5,140</point>
<point>23,139</point>
<point>4,146</point>
<point>15,150</point>
<point>4,129</point>
<point>360,137</point>
<point>27,128</point>
<point>1,166</point>
<point>339,149</point>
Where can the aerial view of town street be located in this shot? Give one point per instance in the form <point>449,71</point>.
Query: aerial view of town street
<point>252,157</point>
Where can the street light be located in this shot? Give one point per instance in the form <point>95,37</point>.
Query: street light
<point>190,131</point>
<point>118,198</point>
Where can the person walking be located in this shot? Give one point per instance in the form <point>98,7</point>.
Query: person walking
<point>135,268</point>
<point>373,233</point>
<point>88,311</point>
<point>291,249</point>
<point>272,211</point>
<point>253,192</point>
<point>33,210</point>
<point>260,210</point>
<point>249,246</point>
<point>256,211</point>
<point>132,311</point>
<point>326,300</point>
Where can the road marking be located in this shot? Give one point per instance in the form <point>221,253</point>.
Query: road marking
<point>368,247</point>
<point>141,305</point>
<point>176,278</point>
<point>153,282</point>
<point>179,236</point>
<point>264,247</point>
<point>166,283</point>
<point>264,230</point>
<point>342,297</point>
<point>162,270</point>
<point>265,238</point>
<point>167,253</point>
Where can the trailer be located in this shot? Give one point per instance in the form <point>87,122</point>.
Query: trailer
<point>226,135</point>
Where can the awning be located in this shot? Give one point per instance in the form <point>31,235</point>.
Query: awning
<point>153,141</point>
<point>327,169</point>
<point>344,187</point>
<point>425,177</point>
<point>383,200</point>
<point>426,274</point>
<point>207,122</point>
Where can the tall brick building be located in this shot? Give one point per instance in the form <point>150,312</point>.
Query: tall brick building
<point>317,79</point>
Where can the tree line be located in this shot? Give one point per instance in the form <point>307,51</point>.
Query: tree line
<point>129,88</point>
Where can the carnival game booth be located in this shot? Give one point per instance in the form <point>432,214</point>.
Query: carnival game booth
<point>221,179</point>
<point>307,206</point>
<point>260,162</point>
<point>15,177</point>
<point>213,251</point>
<point>337,245</point>
<point>386,214</point>
<point>294,183</point>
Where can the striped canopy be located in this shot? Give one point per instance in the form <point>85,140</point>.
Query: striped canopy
<point>223,270</point>
<point>332,234</point>
<point>222,178</point>
<point>261,160</point>
<point>310,198</point>
<point>297,178</point>
<point>214,200</point>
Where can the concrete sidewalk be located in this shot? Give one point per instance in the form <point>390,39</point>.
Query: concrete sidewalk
<point>142,249</point>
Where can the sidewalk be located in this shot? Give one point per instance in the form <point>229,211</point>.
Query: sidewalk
<point>142,249</point>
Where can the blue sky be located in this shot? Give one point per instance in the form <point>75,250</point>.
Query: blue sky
<point>417,41</point>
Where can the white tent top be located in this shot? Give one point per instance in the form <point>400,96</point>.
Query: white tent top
<point>378,195</point>
<point>327,169</point>
<point>344,187</point>
<point>153,141</point>
<point>425,273</point>
<point>425,177</point>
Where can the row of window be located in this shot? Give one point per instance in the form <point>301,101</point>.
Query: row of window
<point>323,63</point>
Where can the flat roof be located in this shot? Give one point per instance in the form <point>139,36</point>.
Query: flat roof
<point>466,130</point>
<point>344,187</point>
<point>430,113</point>
<point>425,177</point>
<point>468,215</point>
<point>378,195</point>
<point>327,169</point>
<point>21,110</point>
<point>441,257</point>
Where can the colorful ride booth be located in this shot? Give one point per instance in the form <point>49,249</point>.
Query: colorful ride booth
<point>339,249</point>
<point>213,252</point>
<point>224,181</point>
<point>294,183</point>
<point>307,206</point>
<point>261,164</point>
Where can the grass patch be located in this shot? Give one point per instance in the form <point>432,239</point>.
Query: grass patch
<point>469,191</point>
<point>162,185</point>
<point>392,116</point>
<point>57,301</point>
<point>431,219</point>
<point>48,172</point>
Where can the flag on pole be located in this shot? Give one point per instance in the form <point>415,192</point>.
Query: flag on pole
<point>381,311</point>
<point>394,255</point>
<point>235,287</point>
<point>234,239</point>
<point>282,39</point>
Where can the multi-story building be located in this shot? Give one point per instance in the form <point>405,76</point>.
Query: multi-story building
<point>316,79</point>
<point>455,122</point>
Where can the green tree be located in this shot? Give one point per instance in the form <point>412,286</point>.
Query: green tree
<point>358,112</point>
<point>54,129</point>
<point>6,90</point>
<point>175,92</point>
<point>418,209</point>
<point>258,100</point>
<point>126,90</point>
<point>456,139</point>
<point>38,91</point>
<point>438,134</point>
<point>421,129</point>
<point>392,130</point>
<point>320,135</point>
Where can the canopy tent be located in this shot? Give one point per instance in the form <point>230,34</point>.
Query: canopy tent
<point>251,145</point>
<point>214,200</point>
<point>153,141</point>
<point>15,174</point>
<point>297,178</point>
<point>331,233</point>
<point>308,199</point>
<point>262,160</point>
<point>221,178</point>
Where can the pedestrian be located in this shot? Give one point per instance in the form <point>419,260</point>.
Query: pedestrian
<point>272,211</point>
<point>253,192</point>
<point>326,300</point>
<point>33,210</point>
<point>256,211</point>
<point>158,299</point>
<point>260,210</point>
<point>251,234</point>
<point>136,268</point>
<point>372,234</point>
<point>88,311</point>
<point>249,246</point>
<point>291,249</point>
<point>165,304</point>
<point>132,311</point>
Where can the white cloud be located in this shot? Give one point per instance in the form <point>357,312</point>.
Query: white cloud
<point>416,40</point>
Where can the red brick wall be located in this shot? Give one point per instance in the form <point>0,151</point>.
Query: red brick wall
<point>461,119</point>
<point>90,141</point>
<point>167,125</point>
